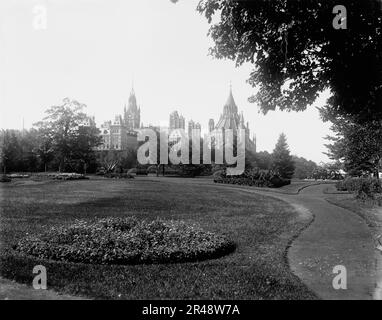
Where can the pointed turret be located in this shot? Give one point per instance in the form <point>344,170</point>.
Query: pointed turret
<point>230,118</point>
<point>133,113</point>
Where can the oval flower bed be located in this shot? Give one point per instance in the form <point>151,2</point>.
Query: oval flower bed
<point>126,241</point>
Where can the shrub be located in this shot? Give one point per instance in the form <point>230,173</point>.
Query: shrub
<point>119,175</point>
<point>126,241</point>
<point>252,177</point>
<point>4,178</point>
<point>363,187</point>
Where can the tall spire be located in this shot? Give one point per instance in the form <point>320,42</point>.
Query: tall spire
<point>230,105</point>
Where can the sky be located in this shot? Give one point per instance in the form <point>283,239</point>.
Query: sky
<point>94,51</point>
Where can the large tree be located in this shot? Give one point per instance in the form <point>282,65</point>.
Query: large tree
<point>70,133</point>
<point>282,161</point>
<point>303,168</point>
<point>10,150</point>
<point>297,53</point>
<point>358,146</point>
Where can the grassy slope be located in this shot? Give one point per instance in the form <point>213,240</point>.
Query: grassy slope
<point>257,269</point>
<point>371,213</point>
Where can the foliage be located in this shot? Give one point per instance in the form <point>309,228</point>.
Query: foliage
<point>5,178</point>
<point>252,177</point>
<point>69,176</point>
<point>359,146</point>
<point>119,175</point>
<point>18,150</point>
<point>297,53</point>
<point>71,135</point>
<point>126,241</point>
<point>331,171</point>
<point>363,187</point>
<point>263,160</point>
<point>63,140</point>
<point>282,161</point>
<point>304,168</point>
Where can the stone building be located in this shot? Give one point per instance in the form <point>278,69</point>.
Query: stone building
<point>121,134</point>
<point>231,119</point>
<point>176,121</point>
<point>193,125</point>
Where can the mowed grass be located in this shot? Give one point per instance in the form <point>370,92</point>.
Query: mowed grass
<point>262,228</point>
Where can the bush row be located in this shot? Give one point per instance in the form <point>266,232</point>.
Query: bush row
<point>252,177</point>
<point>363,187</point>
<point>119,175</point>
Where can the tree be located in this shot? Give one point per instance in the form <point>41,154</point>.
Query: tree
<point>303,168</point>
<point>282,161</point>
<point>263,160</point>
<point>359,146</point>
<point>44,149</point>
<point>297,53</point>
<point>10,154</point>
<point>70,134</point>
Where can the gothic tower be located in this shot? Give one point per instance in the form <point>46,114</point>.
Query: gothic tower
<point>132,115</point>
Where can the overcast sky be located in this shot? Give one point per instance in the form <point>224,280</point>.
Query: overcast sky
<point>92,51</point>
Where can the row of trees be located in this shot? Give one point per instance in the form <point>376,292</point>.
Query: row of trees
<point>64,140</point>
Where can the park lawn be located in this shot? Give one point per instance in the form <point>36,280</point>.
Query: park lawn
<point>262,228</point>
<point>367,210</point>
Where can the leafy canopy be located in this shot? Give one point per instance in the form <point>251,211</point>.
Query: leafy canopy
<point>359,146</point>
<point>67,131</point>
<point>297,53</point>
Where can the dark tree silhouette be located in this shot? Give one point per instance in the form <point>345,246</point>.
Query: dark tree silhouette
<point>282,161</point>
<point>297,53</point>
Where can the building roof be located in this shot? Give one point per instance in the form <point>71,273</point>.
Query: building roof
<point>230,118</point>
<point>132,105</point>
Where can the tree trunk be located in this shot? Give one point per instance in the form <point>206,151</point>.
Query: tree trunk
<point>376,170</point>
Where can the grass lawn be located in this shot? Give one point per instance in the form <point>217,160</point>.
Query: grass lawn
<point>367,210</point>
<point>261,227</point>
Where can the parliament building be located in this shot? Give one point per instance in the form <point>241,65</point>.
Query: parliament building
<point>121,134</point>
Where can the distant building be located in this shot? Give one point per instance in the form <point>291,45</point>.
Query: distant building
<point>176,121</point>
<point>193,125</point>
<point>121,134</point>
<point>231,119</point>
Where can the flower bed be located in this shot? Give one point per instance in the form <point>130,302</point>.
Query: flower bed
<point>126,241</point>
<point>68,176</point>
